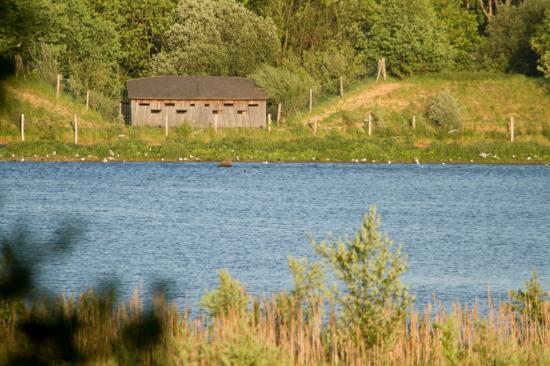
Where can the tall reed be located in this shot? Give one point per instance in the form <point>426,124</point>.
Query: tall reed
<point>275,330</point>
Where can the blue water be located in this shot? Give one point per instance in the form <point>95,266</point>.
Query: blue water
<point>464,227</point>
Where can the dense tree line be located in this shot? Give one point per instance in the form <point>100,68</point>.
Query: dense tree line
<point>291,45</point>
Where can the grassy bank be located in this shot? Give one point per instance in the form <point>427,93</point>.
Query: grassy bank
<point>486,101</point>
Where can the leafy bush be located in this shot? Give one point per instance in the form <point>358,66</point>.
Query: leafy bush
<point>230,296</point>
<point>329,65</point>
<point>529,302</point>
<point>309,289</point>
<point>368,268</point>
<point>444,111</point>
<point>285,85</point>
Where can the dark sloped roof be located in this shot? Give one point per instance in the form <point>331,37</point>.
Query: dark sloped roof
<point>194,87</point>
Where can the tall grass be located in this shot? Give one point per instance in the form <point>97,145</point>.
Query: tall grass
<point>275,331</point>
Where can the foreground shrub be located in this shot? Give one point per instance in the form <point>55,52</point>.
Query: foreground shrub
<point>286,86</point>
<point>367,268</point>
<point>444,111</point>
<point>230,296</point>
<point>529,302</point>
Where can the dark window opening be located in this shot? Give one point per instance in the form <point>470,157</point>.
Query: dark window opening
<point>207,105</point>
<point>155,110</point>
<point>170,104</point>
<point>241,112</point>
<point>144,104</point>
<point>217,112</point>
<point>192,104</point>
<point>228,104</point>
<point>181,111</point>
<point>253,105</point>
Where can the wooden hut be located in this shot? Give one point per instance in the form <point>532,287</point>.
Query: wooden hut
<point>200,101</point>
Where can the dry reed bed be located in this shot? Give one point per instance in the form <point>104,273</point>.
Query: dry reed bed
<point>281,331</point>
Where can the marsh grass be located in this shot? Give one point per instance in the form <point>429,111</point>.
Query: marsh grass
<point>275,331</point>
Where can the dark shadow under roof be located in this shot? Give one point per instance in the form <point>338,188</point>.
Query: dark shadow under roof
<point>195,87</point>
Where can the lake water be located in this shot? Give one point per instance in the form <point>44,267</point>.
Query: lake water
<point>464,227</point>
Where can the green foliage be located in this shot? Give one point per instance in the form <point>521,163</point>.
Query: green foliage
<point>309,288</point>
<point>216,37</point>
<point>508,47</point>
<point>449,340</point>
<point>368,268</point>
<point>327,66</point>
<point>461,27</point>
<point>45,64</point>
<point>140,26</point>
<point>529,302</point>
<point>406,33</point>
<point>541,44</point>
<point>285,85</point>
<point>229,297</point>
<point>444,111</point>
<point>26,23</point>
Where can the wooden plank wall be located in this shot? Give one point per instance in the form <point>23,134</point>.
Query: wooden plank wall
<point>199,113</point>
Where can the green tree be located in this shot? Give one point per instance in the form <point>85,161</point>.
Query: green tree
<point>90,50</point>
<point>541,44</point>
<point>218,37</point>
<point>407,34</point>
<point>368,268</point>
<point>508,47</point>
<point>26,23</point>
<point>461,27</point>
<point>140,26</point>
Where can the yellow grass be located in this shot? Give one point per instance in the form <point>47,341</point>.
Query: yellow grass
<point>276,331</point>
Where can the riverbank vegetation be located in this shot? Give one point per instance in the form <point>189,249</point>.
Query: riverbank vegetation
<point>488,58</point>
<point>349,307</point>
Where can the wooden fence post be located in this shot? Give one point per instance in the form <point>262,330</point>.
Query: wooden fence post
<point>58,87</point>
<point>269,122</point>
<point>511,129</point>
<point>341,87</point>
<point>381,69</point>
<point>279,108</point>
<point>310,100</point>
<point>370,125</point>
<point>22,128</point>
<point>166,125</point>
<point>414,123</point>
<point>87,99</point>
<point>75,129</point>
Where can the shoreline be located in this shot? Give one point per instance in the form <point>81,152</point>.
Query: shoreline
<point>200,161</point>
